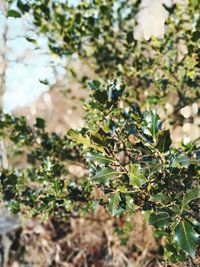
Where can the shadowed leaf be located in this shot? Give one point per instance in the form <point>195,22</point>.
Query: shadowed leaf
<point>161,219</point>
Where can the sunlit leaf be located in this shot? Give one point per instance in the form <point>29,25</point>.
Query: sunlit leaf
<point>136,176</point>
<point>99,158</point>
<point>113,205</point>
<point>104,176</point>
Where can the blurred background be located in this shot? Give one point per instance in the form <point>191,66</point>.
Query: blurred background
<point>35,83</point>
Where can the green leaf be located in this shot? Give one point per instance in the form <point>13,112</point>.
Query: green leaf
<point>13,13</point>
<point>94,85</point>
<point>14,206</point>
<point>45,81</point>
<point>155,121</point>
<point>129,37</point>
<point>12,179</point>
<point>161,219</point>
<point>40,123</point>
<point>196,36</point>
<point>113,205</point>
<point>129,204</point>
<point>164,141</point>
<point>160,233</point>
<point>104,176</point>
<point>171,252</point>
<point>186,237</point>
<point>183,160</point>
<point>101,96</point>
<point>22,6</point>
<point>99,158</point>
<point>31,40</point>
<point>79,139</point>
<point>106,127</point>
<point>84,140</point>
<point>136,178</point>
<point>190,195</point>
<point>159,198</point>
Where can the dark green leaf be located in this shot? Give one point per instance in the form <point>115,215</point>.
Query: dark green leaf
<point>190,195</point>
<point>155,121</point>
<point>196,36</point>
<point>45,82</point>
<point>164,141</point>
<point>31,40</point>
<point>94,85</point>
<point>159,198</point>
<point>129,37</point>
<point>40,123</point>
<point>161,219</point>
<point>170,251</point>
<point>186,237</point>
<point>24,7</point>
<point>13,13</point>
<point>160,233</point>
<point>101,96</point>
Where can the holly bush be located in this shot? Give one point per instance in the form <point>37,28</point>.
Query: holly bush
<point>128,161</point>
<point>100,32</point>
<point>131,166</point>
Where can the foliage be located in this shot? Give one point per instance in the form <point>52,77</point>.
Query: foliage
<point>101,33</point>
<point>131,164</point>
<point>129,161</point>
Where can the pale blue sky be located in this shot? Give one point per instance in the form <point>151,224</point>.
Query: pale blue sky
<point>34,63</point>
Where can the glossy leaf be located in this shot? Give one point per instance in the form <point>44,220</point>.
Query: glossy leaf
<point>160,220</point>
<point>186,237</point>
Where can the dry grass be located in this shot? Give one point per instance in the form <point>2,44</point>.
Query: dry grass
<point>89,242</point>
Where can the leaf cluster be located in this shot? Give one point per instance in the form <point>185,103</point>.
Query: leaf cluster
<point>131,167</point>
